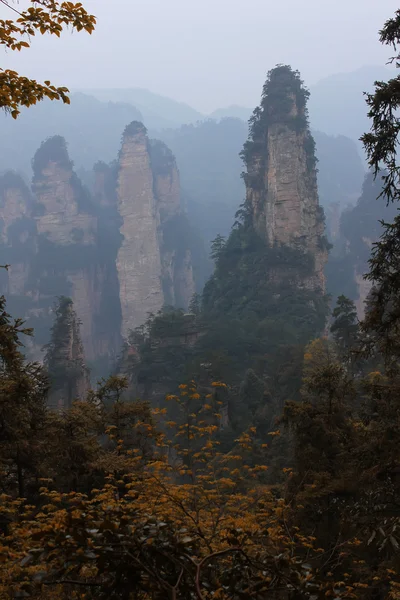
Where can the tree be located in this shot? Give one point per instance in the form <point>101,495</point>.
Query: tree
<point>253,398</point>
<point>64,358</point>
<point>319,421</point>
<point>217,247</point>
<point>345,327</point>
<point>344,483</point>
<point>96,437</point>
<point>382,320</point>
<point>42,16</point>
<point>381,142</point>
<point>23,390</point>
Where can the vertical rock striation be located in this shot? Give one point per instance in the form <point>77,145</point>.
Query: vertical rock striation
<point>281,183</point>
<point>17,237</point>
<point>176,257</point>
<point>65,262</point>
<point>73,252</point>
<point>138,260</point>
<point>153,263</point>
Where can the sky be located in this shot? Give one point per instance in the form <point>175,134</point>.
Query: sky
<point>208,53</point>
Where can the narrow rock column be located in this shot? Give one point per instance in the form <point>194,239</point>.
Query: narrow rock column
<point>138,261</point>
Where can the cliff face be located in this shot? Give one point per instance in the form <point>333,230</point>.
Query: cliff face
<point>360,227</point>
<point>67,229</point>
<point>104,185</point>
<point>17,235</point>
<point>281,184</point>
<point>176,259</point>
<point>138,261</point>
<point>151,269</point>
<point>74,253</point>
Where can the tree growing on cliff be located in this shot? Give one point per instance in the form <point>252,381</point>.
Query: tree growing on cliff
<point>42,16</point>
<point>345,327</point>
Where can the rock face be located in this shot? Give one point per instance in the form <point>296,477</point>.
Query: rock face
<point>150,272</point>
<point>66,223</point>
<point>17,235</point>
<point>176,259</point>
<point>360,228</point>
<point>138,261</point>
<point>104,186</point>
<point>281,184</point>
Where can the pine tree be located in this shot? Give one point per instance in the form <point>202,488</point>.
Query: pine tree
<point>217,246</point>
<point>251,393</point>
<point>64,357</point>
<point>382,322</point>
<point>23,389</point>
<point>345,327</point>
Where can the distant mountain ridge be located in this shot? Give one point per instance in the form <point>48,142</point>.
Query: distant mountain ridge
<point>92,130</point>
<point>234,111</point>
<point>158,111</point>
<point>337,103</point>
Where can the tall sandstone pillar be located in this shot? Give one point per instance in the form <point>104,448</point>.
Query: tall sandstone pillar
<point>154,261</point>
<point>138,260</point>
<point>281,182</point>
<point>66,259</point>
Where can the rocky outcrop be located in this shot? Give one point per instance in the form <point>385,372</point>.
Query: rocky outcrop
<point>176,259</point>
<point>166,181</point>
<point>74,255</point>
<point>65,262</point>
<point>17,234</point>
<point>153,267</point>
<point>281,184</point>
<point>138,261</point>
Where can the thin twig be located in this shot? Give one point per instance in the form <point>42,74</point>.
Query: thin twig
<point>11,7</point>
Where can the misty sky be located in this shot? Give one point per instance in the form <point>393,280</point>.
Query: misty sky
<point>208,53</point>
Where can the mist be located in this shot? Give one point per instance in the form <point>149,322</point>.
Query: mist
<point>211,53</point>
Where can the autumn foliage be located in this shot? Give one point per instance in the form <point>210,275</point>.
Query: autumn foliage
<point>42,16</point>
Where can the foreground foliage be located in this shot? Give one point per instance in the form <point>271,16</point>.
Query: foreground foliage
<point>42,16</point>
<point>199,525</point>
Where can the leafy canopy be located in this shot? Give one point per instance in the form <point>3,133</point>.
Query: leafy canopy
<point>42,16</point>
